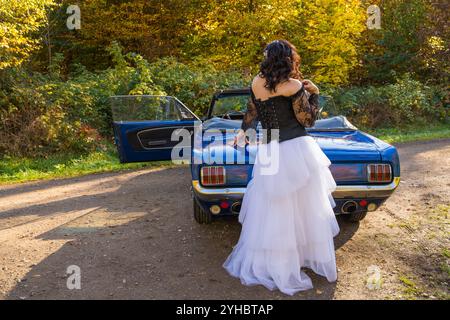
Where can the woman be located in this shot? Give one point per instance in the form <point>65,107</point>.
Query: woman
<point>287,215</point>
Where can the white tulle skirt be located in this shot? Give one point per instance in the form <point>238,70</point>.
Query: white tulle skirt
<point>287,218</point>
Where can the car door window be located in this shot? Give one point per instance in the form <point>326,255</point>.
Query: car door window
<point>148,108</point>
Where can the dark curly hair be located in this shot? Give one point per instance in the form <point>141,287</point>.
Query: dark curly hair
<point>281,62</point>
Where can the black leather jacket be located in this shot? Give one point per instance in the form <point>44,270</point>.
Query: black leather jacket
<point>288,114</point>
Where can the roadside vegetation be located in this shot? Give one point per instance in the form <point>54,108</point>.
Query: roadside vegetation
<point>412,133</point>
<point>22,169</point>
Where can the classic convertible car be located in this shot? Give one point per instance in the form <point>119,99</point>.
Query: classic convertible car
<point>148,128</point>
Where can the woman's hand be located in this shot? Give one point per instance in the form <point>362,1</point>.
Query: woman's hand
<point>240,139</point>
<point>310,87</point>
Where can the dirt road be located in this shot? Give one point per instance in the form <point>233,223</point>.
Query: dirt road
<point>133,236</point>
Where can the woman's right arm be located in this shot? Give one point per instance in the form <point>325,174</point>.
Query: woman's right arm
<point>250,121</point>
<point>251,115</point>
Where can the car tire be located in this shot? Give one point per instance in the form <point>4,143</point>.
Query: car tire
<point>356,216</point>
<point>200,215</point>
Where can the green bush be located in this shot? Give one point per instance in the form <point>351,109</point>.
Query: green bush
<point>402,103</point>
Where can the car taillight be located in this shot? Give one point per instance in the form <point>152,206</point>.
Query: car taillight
<point>379,172</point>
<point>212,176</point>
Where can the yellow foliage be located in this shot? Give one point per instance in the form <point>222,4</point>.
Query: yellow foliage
<point>230,33</point>
<point>326,32</point>
<point>19,21</point>
<point>233,33</point>
<point>329,38</point>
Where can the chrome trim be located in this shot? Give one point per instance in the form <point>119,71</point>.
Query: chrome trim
<point>342,192</point>
<point>347,202</point>
<point>366,191</point>
<point>234,205</point>
<point>217,194</point>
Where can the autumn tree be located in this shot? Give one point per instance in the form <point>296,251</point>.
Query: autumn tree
<point>234,33</point>
<point>413,39</point>
<point>21,24</point>
<point>328,35</point>
<point>154,29</point>
<point>435,52</point>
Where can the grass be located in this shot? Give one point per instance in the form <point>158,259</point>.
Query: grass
<point>446,253</point>
<point>445,268</point>
<point>414,133</point>
<point>410,289</point>
<point>14,170</point>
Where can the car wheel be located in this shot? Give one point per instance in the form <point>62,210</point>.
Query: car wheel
<point>200,215</point>
<point>356,216</point>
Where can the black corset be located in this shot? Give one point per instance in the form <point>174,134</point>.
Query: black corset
<point>267,115</point>
<point>277,113</point>
<point>285,113</point>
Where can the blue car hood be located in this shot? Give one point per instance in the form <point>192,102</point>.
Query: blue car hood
<point>336,136</point>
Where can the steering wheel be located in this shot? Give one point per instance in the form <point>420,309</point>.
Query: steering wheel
<point>232,113</point>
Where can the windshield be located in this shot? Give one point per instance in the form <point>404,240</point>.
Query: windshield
<point>230,104</point>
<point>234,104</point>
<point>233,107</point>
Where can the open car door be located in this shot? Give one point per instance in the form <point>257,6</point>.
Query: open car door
<point>143,126</point>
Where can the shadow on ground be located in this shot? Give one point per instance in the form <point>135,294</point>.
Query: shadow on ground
<point>140,241</point>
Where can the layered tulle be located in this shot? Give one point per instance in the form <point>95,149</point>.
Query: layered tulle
<point>287,218</point>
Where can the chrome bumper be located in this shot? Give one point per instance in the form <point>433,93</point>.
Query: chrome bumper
<point>342,192</point>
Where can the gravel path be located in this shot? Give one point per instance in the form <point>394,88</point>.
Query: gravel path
<point>133,236</point>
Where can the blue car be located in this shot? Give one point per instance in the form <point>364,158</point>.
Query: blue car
<point>149,128</point>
